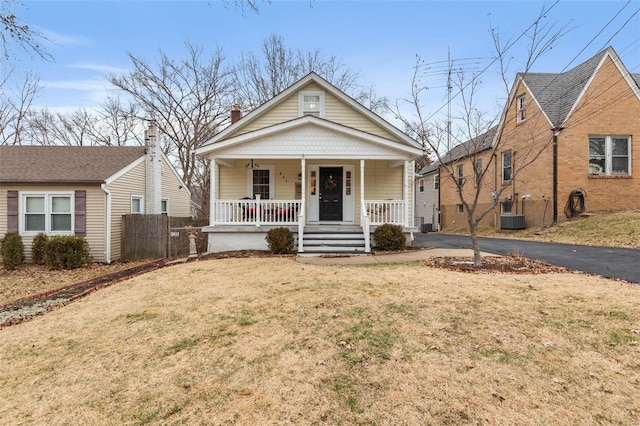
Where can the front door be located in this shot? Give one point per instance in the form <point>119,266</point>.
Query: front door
<point>330,194</point>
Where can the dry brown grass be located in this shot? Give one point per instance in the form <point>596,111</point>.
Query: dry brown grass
<point>273,341</point>
<point>31,279</point>
<point>608,229</point>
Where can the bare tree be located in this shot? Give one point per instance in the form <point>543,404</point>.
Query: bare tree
<point>189,99</point>
<point>260,77</point>
<point>15,105</point>
<point>118,124</point>
<point>13,30</point>
<point>471,136</point>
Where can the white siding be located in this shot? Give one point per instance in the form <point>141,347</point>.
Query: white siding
<point>335,110</point>
<point>132,182</point>
<point>179,198</point>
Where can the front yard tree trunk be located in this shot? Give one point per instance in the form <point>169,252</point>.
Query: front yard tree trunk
<point>473,231</point>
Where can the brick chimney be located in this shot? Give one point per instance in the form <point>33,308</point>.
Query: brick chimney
<point>153,165</point>
<point>236,114</point>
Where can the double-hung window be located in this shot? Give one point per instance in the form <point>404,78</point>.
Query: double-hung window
<point>421,185</point>
<point>311,103</point>
<point>477,166</point>
<point>507,166</point>
<point>609,155</point>
<point>460,177</point>
<point>261,182</point>
<point>51,213</point>
<point>521,108</point>
<point>436,181</point>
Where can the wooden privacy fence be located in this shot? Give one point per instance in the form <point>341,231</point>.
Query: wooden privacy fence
<point>145,236</point>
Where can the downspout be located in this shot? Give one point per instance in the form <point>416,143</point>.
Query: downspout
<point>495,191</point>
<point>556,131</point>
<point>107,252</point>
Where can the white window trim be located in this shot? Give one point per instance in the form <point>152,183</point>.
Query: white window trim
<point>272,187</point>
<point>22,210</point>
<point>137,197</point>
<point>608,155</point>
<point>436,181</point>
<point>421,185</point>
<point>168,205</point>
<point>521,108</point>
<point>301,96</point>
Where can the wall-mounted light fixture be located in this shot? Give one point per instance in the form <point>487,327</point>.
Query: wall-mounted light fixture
<point>299,176</point>
<point>252,166</point>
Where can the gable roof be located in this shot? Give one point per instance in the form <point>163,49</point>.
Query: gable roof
<point>64,164</point>
<point>558,93</point>
<point>330,88</point>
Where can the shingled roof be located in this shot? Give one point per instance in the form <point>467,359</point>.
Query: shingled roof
<point>558,92</point>
<point>65,164</point>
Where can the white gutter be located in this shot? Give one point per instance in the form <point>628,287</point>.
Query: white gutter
<point>107,252</point>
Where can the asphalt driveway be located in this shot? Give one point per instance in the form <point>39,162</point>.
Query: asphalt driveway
<point>606,261</point>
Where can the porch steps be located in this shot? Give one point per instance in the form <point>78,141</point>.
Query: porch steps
<point>330,239</point>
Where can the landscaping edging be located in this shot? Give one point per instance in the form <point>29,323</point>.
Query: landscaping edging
<point>28,307</point>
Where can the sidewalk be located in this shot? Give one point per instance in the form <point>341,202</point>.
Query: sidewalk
<point>408,256</point>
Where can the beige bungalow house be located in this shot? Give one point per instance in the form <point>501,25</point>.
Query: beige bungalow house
<point>314,160</point>
<point>85,191</point>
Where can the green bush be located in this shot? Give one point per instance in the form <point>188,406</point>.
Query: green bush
<point>280,240</point>
<point>38,247</point>
<point>67,252</point>
<point>12,251</point>
<point>389,237</point>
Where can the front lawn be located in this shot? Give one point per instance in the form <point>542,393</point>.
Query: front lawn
<point>273,341</point>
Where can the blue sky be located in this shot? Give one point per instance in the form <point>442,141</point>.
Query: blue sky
<point>379,39</point>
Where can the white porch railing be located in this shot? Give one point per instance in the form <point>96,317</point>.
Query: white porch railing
<point>256,212</point>
<point>385,211</point>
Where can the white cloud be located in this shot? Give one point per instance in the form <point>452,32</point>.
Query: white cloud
<point>107,69</point>
<point>62,39</point>
<point>81,85</point>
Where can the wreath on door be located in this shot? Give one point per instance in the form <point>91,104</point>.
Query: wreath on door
<point>330,183</point>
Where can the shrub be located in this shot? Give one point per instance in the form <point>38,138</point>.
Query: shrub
<point>67,252</point>
<point>389,237</point>
<point>38,246</point>
<point>12,251</point>
<point>280,240</point>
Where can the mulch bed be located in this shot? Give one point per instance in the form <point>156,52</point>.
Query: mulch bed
<point>492,264</point>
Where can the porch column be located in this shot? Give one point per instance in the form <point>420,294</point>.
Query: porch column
<point>303,204</point>
<point>405,183</point>
<point>303,200</point>
<point>213,173</point>
<point>361,181</point>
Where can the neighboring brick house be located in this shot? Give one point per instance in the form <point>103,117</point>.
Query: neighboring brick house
<point>560,136</point>
<point>85,191</point>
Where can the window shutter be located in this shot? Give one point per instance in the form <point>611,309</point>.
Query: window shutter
<point>12,212</point>
<point>80,213</point>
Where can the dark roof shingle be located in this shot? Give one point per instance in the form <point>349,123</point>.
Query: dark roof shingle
<point>88,164</point>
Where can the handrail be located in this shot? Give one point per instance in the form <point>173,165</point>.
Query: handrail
<point>301,232</point>
<point>364,222</point>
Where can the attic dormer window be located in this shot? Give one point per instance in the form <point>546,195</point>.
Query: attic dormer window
<point>521,106</point>
<point>311,103</point>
